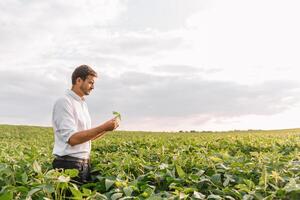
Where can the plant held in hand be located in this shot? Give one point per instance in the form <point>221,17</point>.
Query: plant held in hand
<point>117,115</point>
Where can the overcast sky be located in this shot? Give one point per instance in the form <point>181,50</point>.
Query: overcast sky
<point>164,65</point>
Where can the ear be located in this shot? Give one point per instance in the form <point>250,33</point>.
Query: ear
<point>78,80</point>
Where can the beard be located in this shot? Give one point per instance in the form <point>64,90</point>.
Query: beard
<point>84,90</point>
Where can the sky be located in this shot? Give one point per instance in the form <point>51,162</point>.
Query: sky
<point>164,65</point>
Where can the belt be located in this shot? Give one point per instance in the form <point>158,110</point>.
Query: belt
<point>72,159</point>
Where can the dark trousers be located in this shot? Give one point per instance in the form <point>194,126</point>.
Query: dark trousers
<point>82,165</point>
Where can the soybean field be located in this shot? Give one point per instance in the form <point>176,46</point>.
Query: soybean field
<point>242,165</point>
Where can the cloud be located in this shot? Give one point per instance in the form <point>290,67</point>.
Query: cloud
<point>183,69</point>
<point>117,46</point>
<point>240,41</point>
<point>60,14</point>
<point>50,34</point>
<point>81,30</point>
<point>142,95</point>
<point>27,97</point>
<point>33,29</point>
<point>158,15</point>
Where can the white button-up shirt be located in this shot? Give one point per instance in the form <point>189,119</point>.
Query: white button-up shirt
<point>70,115</point>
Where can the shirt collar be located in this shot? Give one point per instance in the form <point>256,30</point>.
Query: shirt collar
<point>74,95</point>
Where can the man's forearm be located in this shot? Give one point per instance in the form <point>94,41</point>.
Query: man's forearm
<point>99,135</point>
<point>86,135</point>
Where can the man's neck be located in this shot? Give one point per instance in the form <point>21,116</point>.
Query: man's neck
<point>78,92</point>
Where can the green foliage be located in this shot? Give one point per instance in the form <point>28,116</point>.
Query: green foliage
<point>117,115</point>
<point>148,165</point>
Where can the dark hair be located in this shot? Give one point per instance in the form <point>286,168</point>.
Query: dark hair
<point>83,71</point>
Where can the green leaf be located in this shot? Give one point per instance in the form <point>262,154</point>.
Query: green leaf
<point>213,196</point>
<point>76,193</point>
<point>6,196</point>
<point>71,172</point>
<point>249,183</point>
<point>228,179</point>
<point>63,179</point>
<point>108,183</point>
<point>49,188</point>
<point>31,192</point>
<point>116,196</point>
<point>216,159</point>
<point>154,197</point>
<point>292,186</point>
<point>216,179</point>
<point>189,190</point>
<point>22,189</point>
<point>36,167</point>
<point>86,191</point>
<point>229,197</point>
<point>98,196</point>
<point>24,177</point>
<point>125,198</point>
<point>198,195</point>
<point>180,171</point>
<point>242,187</point>
<point>149,191</point>
<point>117,115</point>
<point>128,191</point>
<point>247,197</point>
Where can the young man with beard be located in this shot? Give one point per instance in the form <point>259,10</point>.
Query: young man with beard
<point>72,125</point>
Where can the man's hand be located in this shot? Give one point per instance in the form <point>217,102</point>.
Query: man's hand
<point>112,124</point>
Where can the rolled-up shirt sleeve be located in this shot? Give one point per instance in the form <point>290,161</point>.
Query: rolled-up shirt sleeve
<point>64,120</point>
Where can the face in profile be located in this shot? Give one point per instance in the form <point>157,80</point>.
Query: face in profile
<point>87,85</point>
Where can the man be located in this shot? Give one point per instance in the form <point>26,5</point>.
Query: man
<point>72,125</point>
